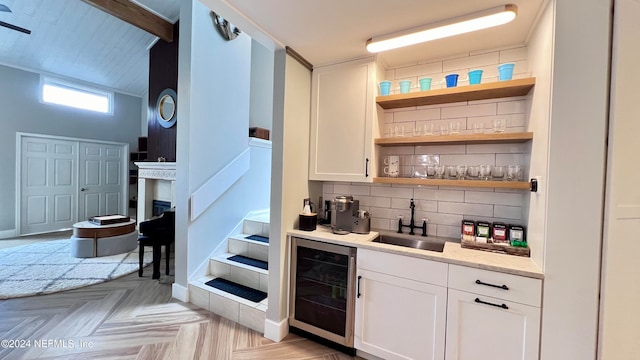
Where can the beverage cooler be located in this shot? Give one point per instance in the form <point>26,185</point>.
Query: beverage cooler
<point>322,298</point>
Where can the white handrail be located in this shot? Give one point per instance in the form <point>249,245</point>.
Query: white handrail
<point>219,183</point>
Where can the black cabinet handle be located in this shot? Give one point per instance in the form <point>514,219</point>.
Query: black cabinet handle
<point>358,287</point>
<point>503,287</point>
<point>502,306</point>
<point>366,168</point>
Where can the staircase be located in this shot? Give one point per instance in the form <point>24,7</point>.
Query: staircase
<point>237,283</point>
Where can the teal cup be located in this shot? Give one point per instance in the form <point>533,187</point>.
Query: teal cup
<point>505,72</point>
<point>405,86</point>
<point>475,77</point>
<point>425,84</point>
<point>452,80</point>
<point>385,88</point>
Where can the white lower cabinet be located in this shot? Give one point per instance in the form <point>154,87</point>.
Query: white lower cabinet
<point>405,306</point>
<point>481,327</point>
<point>491,315</point>
<point>399,318</point>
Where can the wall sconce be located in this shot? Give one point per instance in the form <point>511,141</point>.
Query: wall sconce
<point>459,25</point>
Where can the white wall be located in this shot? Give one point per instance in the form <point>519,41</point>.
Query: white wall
<point>575,203</point>
<point>619,316</point>
<point>261,111</point>
<point>290,164</point>
<point>540,47</point>
<point>213,88</point>
<point>23,112</point>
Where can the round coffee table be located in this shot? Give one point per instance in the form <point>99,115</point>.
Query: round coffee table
<point>91,240</point>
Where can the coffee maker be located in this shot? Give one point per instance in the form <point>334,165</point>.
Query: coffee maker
<point>346,216</point>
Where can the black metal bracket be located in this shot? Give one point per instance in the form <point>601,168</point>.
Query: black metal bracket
<point>533,185</point>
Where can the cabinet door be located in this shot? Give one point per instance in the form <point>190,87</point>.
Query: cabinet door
<point>397,318</point>
<point>342,104</point>
<point>479,327</point>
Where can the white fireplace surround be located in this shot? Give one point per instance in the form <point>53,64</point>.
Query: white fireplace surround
<point>156,181</point>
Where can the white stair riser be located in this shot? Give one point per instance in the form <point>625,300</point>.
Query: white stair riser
<point>255,228</point>
<point>249,249</point>
<point>249,316</point>
<point>246,277</point>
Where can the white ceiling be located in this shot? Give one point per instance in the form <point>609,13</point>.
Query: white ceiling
<point>329,31</point>
<point>73,39</point>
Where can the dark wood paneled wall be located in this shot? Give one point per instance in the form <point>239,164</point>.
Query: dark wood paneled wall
<point>163,73</point>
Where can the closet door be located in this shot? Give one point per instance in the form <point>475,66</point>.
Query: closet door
<point>101,184</point>
<point>48,186</point>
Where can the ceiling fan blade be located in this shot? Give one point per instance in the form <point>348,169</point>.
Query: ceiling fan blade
<point>16,28</point>
<point>4,8</point>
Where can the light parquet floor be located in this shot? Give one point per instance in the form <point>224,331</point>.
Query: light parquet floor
<point>134,318</point>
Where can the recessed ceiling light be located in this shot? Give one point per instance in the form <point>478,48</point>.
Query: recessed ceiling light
<point>463,24</point>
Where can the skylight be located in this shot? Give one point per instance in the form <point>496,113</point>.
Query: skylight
<point>80,97</point>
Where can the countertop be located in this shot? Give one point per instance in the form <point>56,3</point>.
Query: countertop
<point>453,253</point>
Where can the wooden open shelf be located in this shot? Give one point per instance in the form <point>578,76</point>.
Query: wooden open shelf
<point>522,185</point>
<point>500,89</point>
<point>518,137</point>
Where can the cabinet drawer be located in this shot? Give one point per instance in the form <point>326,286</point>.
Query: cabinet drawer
<point>516,288</point>
<point>407,267</point>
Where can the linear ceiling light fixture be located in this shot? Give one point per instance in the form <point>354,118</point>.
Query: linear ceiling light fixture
<point>472,22</point>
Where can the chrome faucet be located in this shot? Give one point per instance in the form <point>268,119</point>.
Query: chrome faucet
<point>412,225</point>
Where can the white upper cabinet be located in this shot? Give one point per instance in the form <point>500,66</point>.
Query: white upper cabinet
<point>343,122</point>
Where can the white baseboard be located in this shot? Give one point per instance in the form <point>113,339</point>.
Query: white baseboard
<point>8,234</point>
<point>180,292</point>
<point>276,331</point>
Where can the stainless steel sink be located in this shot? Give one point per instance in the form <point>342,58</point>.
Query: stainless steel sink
<point>416,243</point>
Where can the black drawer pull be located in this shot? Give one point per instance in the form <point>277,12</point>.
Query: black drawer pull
<point>503,287</point>
<point>503,306</point>
<point>358,287</point>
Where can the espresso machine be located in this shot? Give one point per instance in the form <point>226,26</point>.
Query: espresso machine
<point>346,216</point>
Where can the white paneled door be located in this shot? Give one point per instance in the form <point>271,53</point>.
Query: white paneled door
<point>100,180</point>
<point>48,186</point>
<point>63,181</point>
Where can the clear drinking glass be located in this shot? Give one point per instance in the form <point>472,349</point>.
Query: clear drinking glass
<point>439,171</point>
<point>499,125</point>
<point>461,170</point>
<point>497,173</point>
<point>452,172</point>
<point>485,172</point>
<point>478,128</point>
<point>473,172</point>
<point>514,173</point>
<point>454,127</point>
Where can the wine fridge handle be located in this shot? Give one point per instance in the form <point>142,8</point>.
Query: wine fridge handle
<point>358,287</point>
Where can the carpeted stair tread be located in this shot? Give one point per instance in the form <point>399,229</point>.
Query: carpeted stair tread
<point>263,239</point>
<point>242,291</point>
<point>249,261</point>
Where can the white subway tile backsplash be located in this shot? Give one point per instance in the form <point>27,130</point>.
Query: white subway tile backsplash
<point>374,201</point>
<point>507,212</point>
<point>421,70</point>
<point>510,159</point>
<point>468,62</point>
<point>440,218</point>
<point>426,205</point>
<point>388,117</point>
<point>417,115</point>
<point>468,159</point>
<point>393,192</point>
<point>512,55</point>
<point>327,188</point>
<point>497,198</point>
<point>465,209</point>
<point>469,110</point>
<point>448,231</point>
<point>348,189</point>
<point>440,149</point>
<point>496,148</point>
<point>512,107</point>
<point>380,223</point>
<point>439,195</point>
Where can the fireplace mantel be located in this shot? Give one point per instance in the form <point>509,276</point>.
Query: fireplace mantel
<point>156,181</point>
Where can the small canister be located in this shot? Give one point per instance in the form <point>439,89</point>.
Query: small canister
<point>308,222</point>
<point>468,231</point>
<point>483,231</point>
<point>499,233</point>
